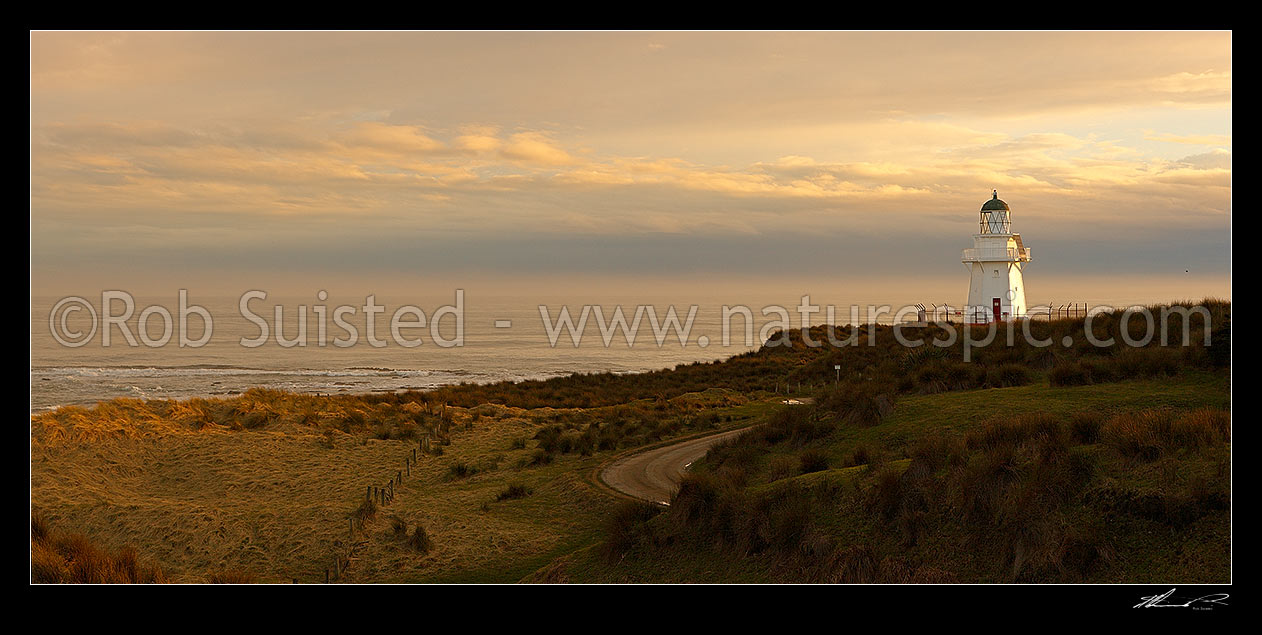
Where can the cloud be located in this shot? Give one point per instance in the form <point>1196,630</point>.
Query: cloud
<point>536,148</point>
<point>283,141</point>
<point>1199,139</point>
<point>386,137</point>
<point>478,139</point>
<point>1216,159</point>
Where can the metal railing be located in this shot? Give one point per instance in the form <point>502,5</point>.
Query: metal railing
<point>1060,311</point>
<point>985,314</point>
<point>974,254</point>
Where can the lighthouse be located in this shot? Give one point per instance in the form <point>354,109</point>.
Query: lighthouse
<point>996,291</point>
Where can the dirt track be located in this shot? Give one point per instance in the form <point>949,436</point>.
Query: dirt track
<point>654,474</point>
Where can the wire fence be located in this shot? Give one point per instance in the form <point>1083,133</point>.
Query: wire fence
<point>984,314</point>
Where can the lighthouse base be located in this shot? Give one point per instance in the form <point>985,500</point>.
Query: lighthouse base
<point>996,293</point>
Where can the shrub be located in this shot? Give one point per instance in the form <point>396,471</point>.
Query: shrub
<point>538,457</point>
<point>1081,552</point>
<point>859,403</point>
<point>1147,362</point>
<point>626,527</point>
<point>1069,374</point>
<point>855,565</point>
<point>1085,427</point>
<point>1007,375</point>
<point>1220,344</point>
<point>812,461</point>
<point>781,467</point>
<point>734,453</point>
<point>937,451</point>
<point>1201,428</point>
<point>367,510</point>
<point>1136,434</point>
<point>862,455</point>
<point>796,424</point>
<point>784,519</point>
<point>886,494</point>
<point>514,491</point>
<point>1148,434</point>
<point>703,503</point>
<point>459,470</point>
<point>1033,429</point>
<point>398,526</point>
<point>419,540</point>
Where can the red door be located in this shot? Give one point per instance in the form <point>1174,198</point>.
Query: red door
<point>994,303</point>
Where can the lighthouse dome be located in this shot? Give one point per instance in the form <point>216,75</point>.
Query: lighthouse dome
<point>994,204</point>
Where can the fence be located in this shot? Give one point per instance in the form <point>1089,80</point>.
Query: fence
<point>381,496</point>
<point>1059,312</point>
<point>985,314</point>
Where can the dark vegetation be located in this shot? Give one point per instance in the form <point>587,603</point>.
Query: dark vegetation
<point>629,410</point>
<point>513,492</point>
<point>810,494</point>
<point>820,493</point>
<point>419,540</point>
<point>1030,499</point>
<point>924,369</point>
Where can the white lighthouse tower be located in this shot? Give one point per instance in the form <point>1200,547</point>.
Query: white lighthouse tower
<point>996,291</point>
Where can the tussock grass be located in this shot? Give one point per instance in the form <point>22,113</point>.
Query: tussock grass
<point>1150,434</point>
<point>626,528</point>
<point>1026,484</point>
<point>459,469</point>
<point>812,461</point>
<point>398,526</point>
<point>68,558</point>
<point>232,577</point>
<point>366,511</point>
<point>1026,497</point>
<point>419,540</point>
<point>513,492</point>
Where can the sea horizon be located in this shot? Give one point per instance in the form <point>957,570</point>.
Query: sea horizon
<point>222,367</point>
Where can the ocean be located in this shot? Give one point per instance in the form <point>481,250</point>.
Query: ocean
<point>223,366</point>
<point>505,339</point>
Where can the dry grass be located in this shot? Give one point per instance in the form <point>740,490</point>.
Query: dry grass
<point>232,577</point>
<point>274,499</point>
<point>1150,434</point>
<point>72,558</point>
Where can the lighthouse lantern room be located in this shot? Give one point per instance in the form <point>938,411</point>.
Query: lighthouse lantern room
<point>996,291</point>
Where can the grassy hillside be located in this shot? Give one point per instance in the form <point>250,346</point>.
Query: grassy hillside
<point>1114,482</point>
<point>265,484</point>
<point>1057,463</point>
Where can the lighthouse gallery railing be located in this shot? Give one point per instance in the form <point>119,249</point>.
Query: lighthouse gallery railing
<point>1013,254</point>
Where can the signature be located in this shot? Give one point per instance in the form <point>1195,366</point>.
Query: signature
<point>1205,602</point>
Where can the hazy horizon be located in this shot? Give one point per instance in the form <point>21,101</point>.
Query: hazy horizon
<point>520,163</point>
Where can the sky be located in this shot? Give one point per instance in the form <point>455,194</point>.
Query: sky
<point>523,161</point>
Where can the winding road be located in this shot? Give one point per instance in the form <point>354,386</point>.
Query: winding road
<point>653,474</point>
